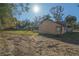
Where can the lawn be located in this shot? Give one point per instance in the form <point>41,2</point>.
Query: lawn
<point>19,32</point>
<point>72,35</point>
<point>71,38</point>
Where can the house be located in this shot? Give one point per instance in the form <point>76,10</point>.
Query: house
<point>51,27</point>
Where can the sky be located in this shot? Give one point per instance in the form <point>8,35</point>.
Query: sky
<point>41,9</point>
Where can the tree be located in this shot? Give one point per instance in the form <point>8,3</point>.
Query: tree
<point>10,23</point>
<point>4,12</point>
<point>71,21</point>
<point>9,11</point>
<point>19,8</point>
<point>46,17</point>
<point>57,13</point>
<point>27,23</point>
<point>35,23</point>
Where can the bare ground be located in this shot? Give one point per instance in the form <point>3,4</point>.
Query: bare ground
<point>21,45</point>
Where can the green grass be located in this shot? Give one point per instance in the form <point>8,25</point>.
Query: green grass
<point>72,35</point>
<point>71,38</point>
<point>19,32</point>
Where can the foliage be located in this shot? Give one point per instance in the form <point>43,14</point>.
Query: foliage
<point>18,9</point>
<point>10,23</point>
<point>5,11</point>
<point>57,12</point>
<point>46,17</point>
<point>70,21</point>
<point>36,21</point>
<point>8,11</point>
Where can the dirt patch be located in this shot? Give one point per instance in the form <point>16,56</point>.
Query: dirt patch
<point>18,45</point>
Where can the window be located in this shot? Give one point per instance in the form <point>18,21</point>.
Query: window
<point>58,29</point>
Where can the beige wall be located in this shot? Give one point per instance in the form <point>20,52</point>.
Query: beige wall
<point>49,27</point>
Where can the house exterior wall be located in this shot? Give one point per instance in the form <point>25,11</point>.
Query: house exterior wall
<point>63,30</point>
<point>49,27</point>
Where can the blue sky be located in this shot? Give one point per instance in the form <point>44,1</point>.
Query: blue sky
<point>69,9</point>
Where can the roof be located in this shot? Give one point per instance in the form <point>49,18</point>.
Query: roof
<point>46,20</point>
<point>60,23</point>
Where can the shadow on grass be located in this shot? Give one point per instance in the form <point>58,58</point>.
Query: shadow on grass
<point>72,38</point>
